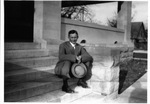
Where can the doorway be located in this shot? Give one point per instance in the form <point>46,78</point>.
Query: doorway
<point>18,21</point>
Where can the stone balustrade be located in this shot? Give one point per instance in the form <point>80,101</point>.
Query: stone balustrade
<point>105,71</point>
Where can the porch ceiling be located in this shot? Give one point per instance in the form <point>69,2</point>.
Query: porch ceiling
<point>77,3</point>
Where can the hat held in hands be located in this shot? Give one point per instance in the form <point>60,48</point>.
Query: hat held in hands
<point>78,70</point>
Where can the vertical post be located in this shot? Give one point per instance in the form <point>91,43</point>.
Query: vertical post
<point>38,24</point>
<point>82,14</point>
<point>124,20</point>
<point>51,20</point>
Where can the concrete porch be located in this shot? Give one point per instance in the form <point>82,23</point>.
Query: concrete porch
<point>29,74</point>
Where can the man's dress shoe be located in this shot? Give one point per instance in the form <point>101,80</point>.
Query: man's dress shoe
<point>67,89</point>
<point>83,84</point>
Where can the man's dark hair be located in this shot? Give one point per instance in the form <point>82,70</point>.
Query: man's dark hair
<point>72,32</point>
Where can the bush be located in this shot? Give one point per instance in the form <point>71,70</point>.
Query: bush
<point>130,71</point>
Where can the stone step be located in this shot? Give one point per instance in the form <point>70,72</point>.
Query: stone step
<point>54,41</point>
<point>143,59</point>
<point>32,90</point>
<point>15,54</point>
<point>92,98</point>
<point>60,96</point>
<point>52,47</point>
<point>36,62</point>
<point>80,92</point>
<point>22,46</point>
<point>139,55</point>
<point>30,63</point>
<point>17,92</point>
<point>24,75</point>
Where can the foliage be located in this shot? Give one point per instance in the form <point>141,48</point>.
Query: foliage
<point>81,13</point>
<point>112,23</point>
<point>131,71</point>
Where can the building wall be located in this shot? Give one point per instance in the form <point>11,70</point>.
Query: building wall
<point>92,33</point>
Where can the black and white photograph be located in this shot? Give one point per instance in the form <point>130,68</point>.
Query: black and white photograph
<point>74,51</point>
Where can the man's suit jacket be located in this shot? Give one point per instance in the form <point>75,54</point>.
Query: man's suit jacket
<point>68,53</point>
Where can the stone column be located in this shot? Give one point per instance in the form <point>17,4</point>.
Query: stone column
<point>124,20</point>
<point>38,24</point>
<point>51,20</point>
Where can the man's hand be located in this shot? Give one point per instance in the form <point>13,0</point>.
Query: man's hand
<point>78,59</point>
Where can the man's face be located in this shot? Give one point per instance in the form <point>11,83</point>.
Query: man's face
<point>73,38</point>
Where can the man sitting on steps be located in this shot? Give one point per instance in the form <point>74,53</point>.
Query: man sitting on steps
<point>71,52</point>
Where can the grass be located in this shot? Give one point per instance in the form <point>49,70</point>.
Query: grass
<point>130,71</point>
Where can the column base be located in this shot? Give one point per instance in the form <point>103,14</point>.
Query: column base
<point>42,42</point>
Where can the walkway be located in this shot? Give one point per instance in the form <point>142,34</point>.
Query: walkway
<point>136,93</point>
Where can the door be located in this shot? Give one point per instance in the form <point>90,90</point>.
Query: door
<point>18,21</point>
